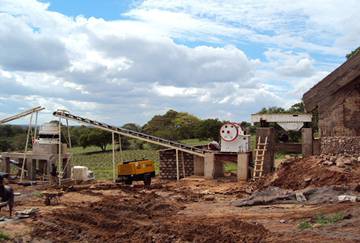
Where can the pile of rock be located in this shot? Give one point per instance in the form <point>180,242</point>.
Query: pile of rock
<point>341,145</point>
<point>339,160</point>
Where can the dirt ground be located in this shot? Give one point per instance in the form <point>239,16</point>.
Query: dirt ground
<point>191,210</point>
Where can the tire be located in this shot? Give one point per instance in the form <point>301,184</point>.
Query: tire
<point>128,181</point>
<point>147,180</point>
<point>47,201</point>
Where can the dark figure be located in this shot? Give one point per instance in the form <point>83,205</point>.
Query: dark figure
<point>53,174</point>
<point>284,138</point>
<point>7,196</point>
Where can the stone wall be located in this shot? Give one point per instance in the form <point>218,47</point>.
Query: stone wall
<point>339,115</point>
<point>168,164</point>
<point>341,145</point>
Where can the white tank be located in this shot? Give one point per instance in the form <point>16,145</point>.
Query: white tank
<point>80,173</point>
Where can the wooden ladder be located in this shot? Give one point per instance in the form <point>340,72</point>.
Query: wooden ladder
<point>259,158</point>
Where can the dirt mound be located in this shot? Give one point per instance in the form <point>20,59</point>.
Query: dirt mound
<point>210,230</point>
<point>145,217</point>
<point>301,173</point>
<point>110,219</point>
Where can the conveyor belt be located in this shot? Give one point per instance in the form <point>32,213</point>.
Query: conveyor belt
<point>132,134</point>
<point>22,114</point>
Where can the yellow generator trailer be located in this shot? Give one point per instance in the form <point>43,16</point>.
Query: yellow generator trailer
<point>136,170</point>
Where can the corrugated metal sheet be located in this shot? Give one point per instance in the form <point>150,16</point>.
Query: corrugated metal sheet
<point>283,118</point>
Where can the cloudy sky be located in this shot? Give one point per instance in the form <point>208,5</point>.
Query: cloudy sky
<point>124,61</point>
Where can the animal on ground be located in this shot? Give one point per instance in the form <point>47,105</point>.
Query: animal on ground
<point>7,196</point>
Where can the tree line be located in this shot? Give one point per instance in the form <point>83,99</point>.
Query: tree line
<point>172,125</point>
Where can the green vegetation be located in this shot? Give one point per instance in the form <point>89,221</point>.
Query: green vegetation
<point>296,108</point>
<point>12,138</point>
<point>101,162</point>
<point>37,194</point>
<point>195,141</point>
<point>177,126</point>
<point>304,225</point>
<point>321,220</point>
<point>4,236</point>
<point>329,219</point>
<point>230,167</point>
<point>353,53</point>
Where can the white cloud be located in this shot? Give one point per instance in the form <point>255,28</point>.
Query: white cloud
<point>135,68</point>
<point>306,24</point>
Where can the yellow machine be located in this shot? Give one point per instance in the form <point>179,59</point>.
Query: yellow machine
<point>137,170</point>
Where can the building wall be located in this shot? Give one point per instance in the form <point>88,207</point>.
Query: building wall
<point>339,115</point>
<point>168,164</point>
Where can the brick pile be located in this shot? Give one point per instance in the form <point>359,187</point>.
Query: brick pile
<point>341,145</point>
<point>168,164</point>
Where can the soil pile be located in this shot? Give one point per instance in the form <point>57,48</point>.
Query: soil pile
<point>210,230</point>
<point>300,173</point>
<point>144,217</point>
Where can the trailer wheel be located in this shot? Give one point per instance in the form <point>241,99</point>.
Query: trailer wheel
<point>47,201</point>
<point>147,180</point>
<point>128,181</point>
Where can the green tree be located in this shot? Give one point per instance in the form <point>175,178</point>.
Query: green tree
<point>297,108</point>
<point>209,129</point>
<point>130,143</point>
<point>172,125</point>
<point>353,53</point>
<point>272,110</point>
<point>5,145</point>
<point>95,137</point>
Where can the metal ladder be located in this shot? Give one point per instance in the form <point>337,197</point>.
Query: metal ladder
<point>132,134</point>
<point>260,151</point>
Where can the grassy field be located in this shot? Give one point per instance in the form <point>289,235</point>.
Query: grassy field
<point>101,162</point>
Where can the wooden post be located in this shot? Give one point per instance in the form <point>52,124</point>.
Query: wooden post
<point>183,163</point>
<point>60,157</point>
<point>36,126</point>
<point>113,155</point>
<point>120,150</point>
<point>26,149</point>
<point>7,165</point>
<point>177,165</point>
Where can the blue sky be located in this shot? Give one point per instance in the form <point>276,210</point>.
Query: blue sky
<point>126,61</point>
<point>109,9</point>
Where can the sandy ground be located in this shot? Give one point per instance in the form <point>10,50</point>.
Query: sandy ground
<point>192,210</point>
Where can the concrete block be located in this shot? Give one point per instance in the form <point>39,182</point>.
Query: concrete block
<point>198,166</point>
<point>209,165</point>
<point>31,169</point>
<point>218,169</point>
<point>243,166</point>
<point>307,142</point>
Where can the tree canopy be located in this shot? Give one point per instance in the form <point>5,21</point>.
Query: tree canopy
<point>353,53</point>
<point>295,108</point>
